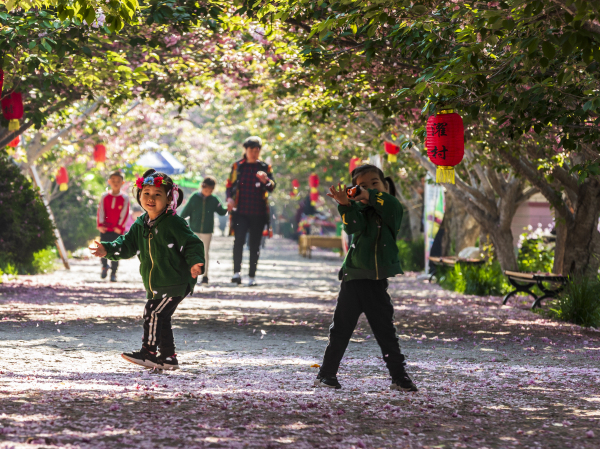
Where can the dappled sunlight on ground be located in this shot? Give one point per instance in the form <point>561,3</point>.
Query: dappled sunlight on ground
<point>489,375</point>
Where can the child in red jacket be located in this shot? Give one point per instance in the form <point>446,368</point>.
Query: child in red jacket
<point>113,211</point>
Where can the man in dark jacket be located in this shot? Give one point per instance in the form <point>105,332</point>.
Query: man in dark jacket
<point>248,189</point>
<point>200,209</point>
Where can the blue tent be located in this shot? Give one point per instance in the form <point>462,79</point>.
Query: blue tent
<point>161,161</point>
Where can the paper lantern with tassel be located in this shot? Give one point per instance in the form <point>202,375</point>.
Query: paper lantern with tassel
<point>445,144</point>
<point>100,154</point>
<point>313,182</point>
<point>391,150</point>
<point>12,108</point>
<point>15,142</point>
<point>62,179</point>
<point>295,183</point>
<point>354,162</point>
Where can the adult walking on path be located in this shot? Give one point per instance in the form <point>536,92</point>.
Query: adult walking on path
<point>248,189</point>
<point>201,208</point>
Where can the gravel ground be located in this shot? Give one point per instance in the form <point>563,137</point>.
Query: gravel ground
<point>490,376</point>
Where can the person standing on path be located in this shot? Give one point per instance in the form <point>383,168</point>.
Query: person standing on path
<point>248,188</point>
<point>373,218</point>
<point>170,262</point>
<point>201,208</point>
<point>113,211</point>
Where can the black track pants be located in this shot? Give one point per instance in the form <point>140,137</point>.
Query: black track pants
<point>157,324</point>
<point>371,297</point>
<point>243,225</point>
<point>109,237</point>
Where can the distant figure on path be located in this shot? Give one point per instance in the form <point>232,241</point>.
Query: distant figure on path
<point>201,208</point>
<point>373,217</point>
<point>171,258</point>
<point>248,189</point>
<point>113,211</point>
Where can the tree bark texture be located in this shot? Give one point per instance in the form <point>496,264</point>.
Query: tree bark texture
<point>462,229</point>
<point>582,246</point>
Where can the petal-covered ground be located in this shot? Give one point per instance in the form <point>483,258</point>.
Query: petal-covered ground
<point>490,376</point>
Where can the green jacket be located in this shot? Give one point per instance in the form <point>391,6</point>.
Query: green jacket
<point>166,251</point>
<point>373,253</point>
<point>201,210</point>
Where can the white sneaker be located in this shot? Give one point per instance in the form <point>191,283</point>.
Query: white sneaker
<point>251,282</point>
<point>237,278</point>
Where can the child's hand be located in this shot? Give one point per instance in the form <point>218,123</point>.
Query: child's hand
<point>339,195</point>
<point>230,204</point>
<point>196,270</point>
<point>99,250</point>
<point>102,229</point>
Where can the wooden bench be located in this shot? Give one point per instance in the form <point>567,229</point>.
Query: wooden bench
<point>306,242</point>
<point>524,282</point>
<point>449,262</point>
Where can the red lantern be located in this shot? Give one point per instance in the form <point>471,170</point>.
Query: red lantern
<point>445,144</point>
<point>354,162</point>
<point>62,179</point>
<point>313,182</point>
<point>12,108</point>
<point>295,183</point>
<point>100,154</point>
<point>15,142</point>
<point>391,150</point>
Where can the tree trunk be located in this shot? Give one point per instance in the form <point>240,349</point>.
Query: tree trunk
<point>462,229</point>
<point>582,244</point>
<point>504,248</point>
<point>559,248</point>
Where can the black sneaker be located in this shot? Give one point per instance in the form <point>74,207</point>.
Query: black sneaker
<point>142,357</point>
<point>113,277</point>
<point>236,279</point>
<point>168,362</point>
<point>403,383</point>
<point>329,382</point>
<point>104,272</point>
<point>204,280</point>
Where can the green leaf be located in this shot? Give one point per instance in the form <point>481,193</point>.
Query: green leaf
<point>567,48</point>
<point>548,49</point>
<point>420,87</point>
<point>87,51</point>
<point>419,9</point>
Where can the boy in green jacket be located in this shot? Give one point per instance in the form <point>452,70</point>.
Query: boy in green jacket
<point>171,258</point>
<point>373,219</point>
<point>200,209</point>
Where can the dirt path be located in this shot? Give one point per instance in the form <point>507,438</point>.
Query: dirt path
<point>489,376</point>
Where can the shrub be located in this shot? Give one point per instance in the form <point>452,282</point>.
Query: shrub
<point>412,254</point>
<point>534,255</point>
<point>482,280</point>
<point>578,303</point>
<point>75,215</point>
<point>44,261</point>
<point>25,226</point>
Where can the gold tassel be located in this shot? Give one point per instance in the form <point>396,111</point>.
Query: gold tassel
<point>444,175</point>
<point>63,187</point>
<point>13,125</point>
<point>392,158</point>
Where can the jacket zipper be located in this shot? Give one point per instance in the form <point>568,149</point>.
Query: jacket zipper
<point>376,243</point>
<point>203,210</point>
<point>152,267</point>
